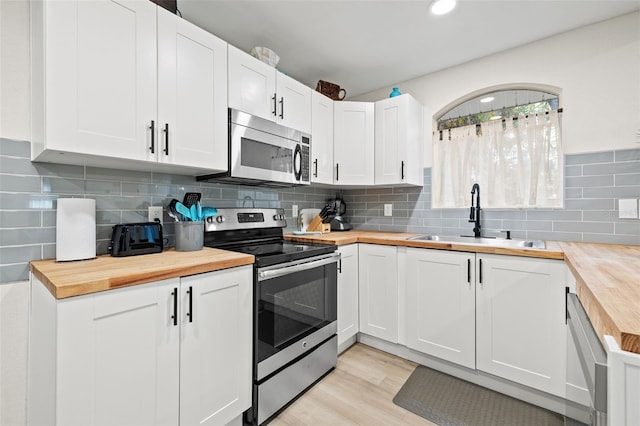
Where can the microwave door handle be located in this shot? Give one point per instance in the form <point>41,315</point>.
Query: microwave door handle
<point>287,270</point>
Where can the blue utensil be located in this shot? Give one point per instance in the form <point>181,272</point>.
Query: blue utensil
<point>209,211</point>
<point>193,213</point>
<point>199,211</point>
<point>183,210</point>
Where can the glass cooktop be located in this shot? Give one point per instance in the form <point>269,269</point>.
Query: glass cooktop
<point>272,253</point>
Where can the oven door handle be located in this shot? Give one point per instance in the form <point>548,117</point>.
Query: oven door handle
<point>287,270</point>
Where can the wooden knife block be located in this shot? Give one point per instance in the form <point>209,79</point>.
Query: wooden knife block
<point>316,225</point>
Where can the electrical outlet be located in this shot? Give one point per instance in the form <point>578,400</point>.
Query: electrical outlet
<point>155,212</point>
<point>388,209</point>
<point>294,210</point>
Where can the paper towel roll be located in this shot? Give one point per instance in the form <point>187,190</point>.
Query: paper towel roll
<point>75,229</point>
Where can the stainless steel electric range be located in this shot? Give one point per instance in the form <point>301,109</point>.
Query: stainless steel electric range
<point>295,305</point>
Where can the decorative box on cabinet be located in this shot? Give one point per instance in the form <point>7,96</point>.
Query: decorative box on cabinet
<point>177,351</point>
<point>259,89</point>
<point>399,141</point>
<point>126,85</point>
<point>353,144</point>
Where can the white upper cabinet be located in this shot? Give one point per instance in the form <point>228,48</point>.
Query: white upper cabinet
<point>399,141</point>
<point>94,78</point>
<point>353,143</point>
<point>321,138</point>
<point>261,90</point>
<point>252,85</point>
<point>105,87</point>
<point>192,95</point>
<point>294,103</point>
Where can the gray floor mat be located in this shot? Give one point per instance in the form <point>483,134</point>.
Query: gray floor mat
<point>446,400</point>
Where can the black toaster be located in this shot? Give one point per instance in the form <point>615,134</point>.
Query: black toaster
<point>131,239</point>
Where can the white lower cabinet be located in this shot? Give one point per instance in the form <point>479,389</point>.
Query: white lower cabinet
<point>378,293</point>
<point>520,320</point>
<point>176,351</point>
<point>441,304</point>
<point>504,315</point>
<point>216,348</point>
<point>347,293</point>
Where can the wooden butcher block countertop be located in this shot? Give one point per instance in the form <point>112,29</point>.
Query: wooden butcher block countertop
<point>552,251</point>
<point>608,286</point>
<point>66,279</point>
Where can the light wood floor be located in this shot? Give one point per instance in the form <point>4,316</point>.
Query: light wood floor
<point>359,391</point>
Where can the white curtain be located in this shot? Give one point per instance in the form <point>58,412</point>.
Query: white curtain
<point>517,163</point>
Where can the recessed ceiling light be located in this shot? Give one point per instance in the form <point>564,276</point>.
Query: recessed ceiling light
<point>442,7</point>
<point>487,99</point>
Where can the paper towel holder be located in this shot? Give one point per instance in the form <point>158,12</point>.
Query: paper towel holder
<point>75,229</point>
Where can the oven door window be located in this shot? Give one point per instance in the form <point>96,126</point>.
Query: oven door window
<point>295,305</point>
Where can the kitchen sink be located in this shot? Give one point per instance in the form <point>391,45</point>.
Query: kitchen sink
<point>492,242</point>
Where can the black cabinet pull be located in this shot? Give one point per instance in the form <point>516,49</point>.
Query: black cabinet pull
<point>402,170</point>
<point>274,112</point>
<point>480,264</point>
<point>469,271</point>
<point>315,163</point>
<point>282,107</point>
<point>174,317</point>
<point>337,171</point>
<point>566,303</point>
<point>166,138</point>
<point>190,313</point>
<point>340,265</point>
<point>152,148</point>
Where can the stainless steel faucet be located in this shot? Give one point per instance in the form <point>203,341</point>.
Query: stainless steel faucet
<point>474,215</point>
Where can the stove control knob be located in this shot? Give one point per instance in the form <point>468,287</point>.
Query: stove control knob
<point>219,219</point>
<point>276,217</point>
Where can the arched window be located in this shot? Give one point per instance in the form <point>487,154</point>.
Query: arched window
<point>509,142</point>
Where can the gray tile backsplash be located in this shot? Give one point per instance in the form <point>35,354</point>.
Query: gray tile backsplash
<point>28,194</point>
<point>593,184</point>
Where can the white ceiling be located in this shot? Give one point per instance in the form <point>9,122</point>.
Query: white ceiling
<point>364,45</point>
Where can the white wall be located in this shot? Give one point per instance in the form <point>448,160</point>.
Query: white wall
<point>14,124</point>
<point>597,68</point>
<point>14,70</point>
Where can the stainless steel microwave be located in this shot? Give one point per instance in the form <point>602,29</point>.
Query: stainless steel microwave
<point>264,153</point>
